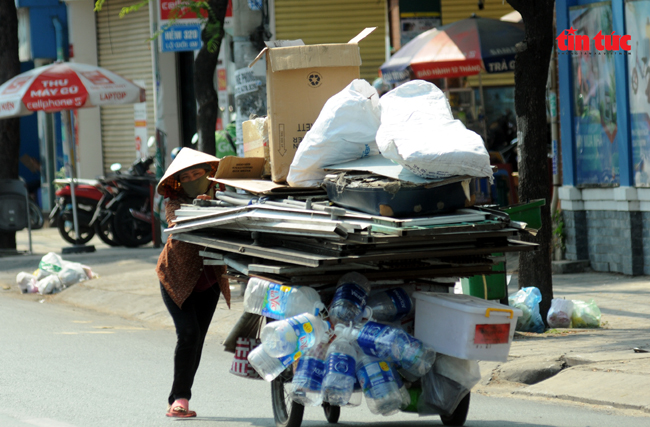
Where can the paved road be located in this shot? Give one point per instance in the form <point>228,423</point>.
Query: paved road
<point>66,367</point>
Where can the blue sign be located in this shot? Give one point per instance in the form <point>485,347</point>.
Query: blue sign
<point>180,38</point>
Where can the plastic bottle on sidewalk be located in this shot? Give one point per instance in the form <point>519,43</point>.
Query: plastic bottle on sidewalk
<point>267,366</point>
<point>390,305</point>
<point>308,378</point>
<point>340,367</point>
<point>296,334</point>
<point>379,386</point>
<point>279,301</point>
<point>349,298</point>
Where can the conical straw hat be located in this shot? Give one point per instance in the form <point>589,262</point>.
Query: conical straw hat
<point>186,158</point>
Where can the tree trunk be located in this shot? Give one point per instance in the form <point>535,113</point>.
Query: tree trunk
<point>205,65</point>
<point>9,128</point>
<point>531,70</point>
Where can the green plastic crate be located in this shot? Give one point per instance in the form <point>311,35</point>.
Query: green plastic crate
<point>490,286</point>
<point>530,213</point>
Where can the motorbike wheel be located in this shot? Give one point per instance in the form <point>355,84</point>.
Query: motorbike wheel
<point>65,224</point>
<point>128,230</point>
<point>286,412</point>
<point>106,232</point>
<point>459,416</point>
<point>35,216</point>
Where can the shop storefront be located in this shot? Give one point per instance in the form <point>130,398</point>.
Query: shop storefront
<point>605,127</point>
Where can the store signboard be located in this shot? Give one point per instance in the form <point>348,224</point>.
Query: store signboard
<point>183,34</point>
<point>637,26</point>
<point>418,16</point>
<point>594,98</point>
<point>180,38</point>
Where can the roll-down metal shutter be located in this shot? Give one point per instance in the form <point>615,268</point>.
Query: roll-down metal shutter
<point>336,21</point>
<point>455,10</point>
<point>122,47</point>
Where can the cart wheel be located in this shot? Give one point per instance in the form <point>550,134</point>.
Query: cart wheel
<point>332,413</point>
<point>286,412</point>
<point>460,414</point>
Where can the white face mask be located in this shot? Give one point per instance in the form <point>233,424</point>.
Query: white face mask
<point>196,187</point>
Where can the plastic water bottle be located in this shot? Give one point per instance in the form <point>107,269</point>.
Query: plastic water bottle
<point>340,369</point>
<point>379,386</point>
<point>390,305</point>
<point>267,366</point>
<point>415,358</point>
<point>357,394</point>
<point>379,340</point>
<point>349,298</point>
<point>293,335</point>
<point>279,301</point>
<point>404,393</point>
<point>308,377</point>
<point>396,346</point>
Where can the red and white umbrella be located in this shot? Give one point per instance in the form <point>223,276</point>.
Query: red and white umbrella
<point>65,86</point>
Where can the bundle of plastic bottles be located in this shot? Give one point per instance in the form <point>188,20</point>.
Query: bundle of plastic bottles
<point>365,352</point>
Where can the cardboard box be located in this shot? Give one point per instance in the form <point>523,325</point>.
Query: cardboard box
<point>256,141</point>
<point>299,80</point>
<point>244,173</point>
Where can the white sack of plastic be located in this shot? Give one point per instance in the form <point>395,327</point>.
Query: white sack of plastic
<point>344,131</point>
<point>419,132</point>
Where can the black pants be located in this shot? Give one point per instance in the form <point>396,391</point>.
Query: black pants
<point>192,322</point>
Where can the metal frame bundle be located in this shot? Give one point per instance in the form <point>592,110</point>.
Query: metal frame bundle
<point>309,242</point>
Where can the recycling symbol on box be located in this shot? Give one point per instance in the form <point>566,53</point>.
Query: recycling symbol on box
<point>315,79</point>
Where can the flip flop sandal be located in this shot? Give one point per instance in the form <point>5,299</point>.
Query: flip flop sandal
<point>180,412</point>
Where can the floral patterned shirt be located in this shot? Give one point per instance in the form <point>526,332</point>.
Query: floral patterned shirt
<point>180,267</point>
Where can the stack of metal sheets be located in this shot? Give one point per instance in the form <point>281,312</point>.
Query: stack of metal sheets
<point>310,242</point>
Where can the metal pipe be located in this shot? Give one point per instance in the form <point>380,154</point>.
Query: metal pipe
<point>235,201</point>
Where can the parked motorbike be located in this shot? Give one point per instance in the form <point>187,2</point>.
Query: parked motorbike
<point>92,198</point>
<point>131,214</point>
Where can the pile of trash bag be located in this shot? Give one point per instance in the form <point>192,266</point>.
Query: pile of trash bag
<point>357,347</point>
<point>573,314</point>
<point>412,125</point>
<point>562,314</point>
<point>53,275</point>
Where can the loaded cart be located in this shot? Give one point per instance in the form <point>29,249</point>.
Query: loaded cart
<point>276,241</point>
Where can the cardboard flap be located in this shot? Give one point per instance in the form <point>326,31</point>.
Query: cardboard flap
<point>232,167</point>
<point>284,43</point>
<point>276,43</point>
<point>312,56</point>
<point>294,54</point>
<point>362,35</point>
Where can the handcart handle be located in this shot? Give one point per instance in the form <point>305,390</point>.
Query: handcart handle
<point>505,310</point>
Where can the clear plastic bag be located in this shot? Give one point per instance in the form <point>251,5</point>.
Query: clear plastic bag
<point>50,285</point>
<point>51,263</point>
<point>585,314</point>
<point>527,300</point>
<point>27,282</point>
<point>559,315</point>
<point>73,272</point>
<point>444,386</point>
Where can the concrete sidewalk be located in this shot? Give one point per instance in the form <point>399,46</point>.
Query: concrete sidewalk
<point>596,366</point>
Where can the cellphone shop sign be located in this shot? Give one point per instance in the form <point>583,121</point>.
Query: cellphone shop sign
<point>568,40</point>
